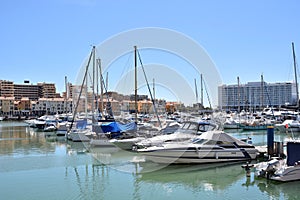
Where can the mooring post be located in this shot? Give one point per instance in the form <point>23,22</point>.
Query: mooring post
<point>270,140</point>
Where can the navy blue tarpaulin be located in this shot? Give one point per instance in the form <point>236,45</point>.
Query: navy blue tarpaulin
<point>293,153</point>
<point>116,127</point>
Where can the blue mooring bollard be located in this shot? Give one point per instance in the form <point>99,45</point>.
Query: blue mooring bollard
<point>270,140</point>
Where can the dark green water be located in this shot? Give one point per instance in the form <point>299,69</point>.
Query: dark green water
<point>33,166</point>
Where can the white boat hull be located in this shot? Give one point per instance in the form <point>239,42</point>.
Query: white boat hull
<point>278,170</point>
<point>198,157</point>
<point>126,144</point>
<point>101,143</point>
<point>289,174</point>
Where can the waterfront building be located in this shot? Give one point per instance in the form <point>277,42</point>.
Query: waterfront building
<point>145,106</point>
<point>47,90</point>
<point>115,106</point>
<point>128,106</point>
<point>27,90</point>
<point>23,107</point>
<point>172,107</point>
<point>6,88</point>
<point>32,91</point>
<point>7,106</point>
<point>256,95</point>
<point>51,106</point>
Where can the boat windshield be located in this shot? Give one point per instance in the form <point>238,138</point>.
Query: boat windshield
<point>199,141</point>
<point>193,126</point>
<point>206,127</point>
<point>190,126</point>
<point>198,127</point>
<point>185,126</point>
<point>210,142</point>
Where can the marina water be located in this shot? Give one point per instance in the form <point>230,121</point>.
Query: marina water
<point>34,165</point>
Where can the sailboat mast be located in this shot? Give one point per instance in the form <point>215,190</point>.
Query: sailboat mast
<point>201,85</point>
<point>101,87</point>
<point>86,94</point>
<point>135,82</point>
<point>97,86</point>
<point>154,89</point>
<point>295,69</point>
<point>262,92</point>
<point>81,89</point>
<point>152,99</point>
<point>239,94</point>
<point>106,81</point>
<point>196,90</point>
<point>93,84</point>
<point>66,94</point>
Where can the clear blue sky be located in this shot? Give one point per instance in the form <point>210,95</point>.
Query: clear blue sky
<point>43,41</point>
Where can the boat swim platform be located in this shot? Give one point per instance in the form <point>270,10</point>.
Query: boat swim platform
<point>262,149</point>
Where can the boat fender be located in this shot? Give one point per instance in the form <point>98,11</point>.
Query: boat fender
<point>198,152</point>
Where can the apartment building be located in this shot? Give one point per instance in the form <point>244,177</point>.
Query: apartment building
<point>47,90</point>
<point>7,106</point>
<point>6,88</point>
<point>52,106</point>
<point>26,89</point>
<point>256,95</point>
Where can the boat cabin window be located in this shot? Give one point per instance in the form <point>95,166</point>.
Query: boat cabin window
<point>206,127</point>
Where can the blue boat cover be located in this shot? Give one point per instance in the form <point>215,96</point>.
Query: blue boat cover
<point>293,153</point>
<point>116,127</point>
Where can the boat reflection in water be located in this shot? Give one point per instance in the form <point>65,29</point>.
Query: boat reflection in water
<point>46,168</point>
<point>207,177</point>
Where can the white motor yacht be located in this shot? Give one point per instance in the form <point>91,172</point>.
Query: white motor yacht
<point>187,131</point>
<point>209,147</point>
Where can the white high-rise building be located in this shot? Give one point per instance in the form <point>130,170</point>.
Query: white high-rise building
<point>256,95</point>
